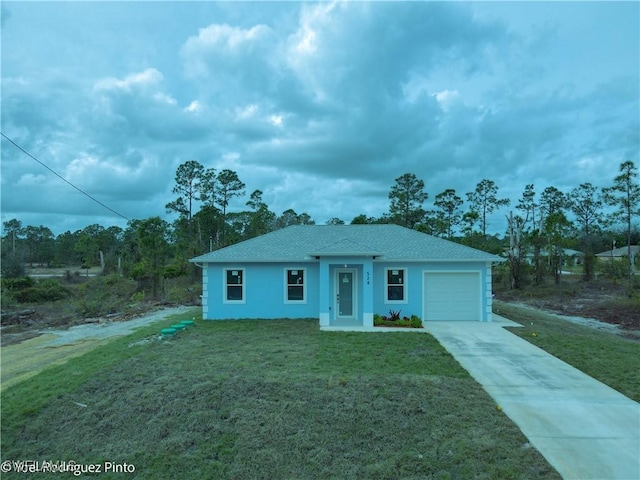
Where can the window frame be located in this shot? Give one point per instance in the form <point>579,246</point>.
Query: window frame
<point>226,285</point>
<point>404,283</point>
<point>287,285</point>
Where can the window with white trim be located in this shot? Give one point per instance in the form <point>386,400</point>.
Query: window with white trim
<point>234,285</point>
<point>296,287</point>
<point>395,285</point>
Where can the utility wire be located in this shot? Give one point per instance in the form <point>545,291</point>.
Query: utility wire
<point>61,177</point>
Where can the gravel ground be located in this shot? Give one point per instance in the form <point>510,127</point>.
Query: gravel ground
<point>588,322</point>
<point>107,329</point>
<point>40,349</point>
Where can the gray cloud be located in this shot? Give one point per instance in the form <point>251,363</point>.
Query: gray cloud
<point>320,105</point>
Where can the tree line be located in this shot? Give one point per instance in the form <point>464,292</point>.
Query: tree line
<point>542,224</point>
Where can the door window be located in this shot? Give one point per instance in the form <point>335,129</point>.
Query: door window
<point>345,294</point>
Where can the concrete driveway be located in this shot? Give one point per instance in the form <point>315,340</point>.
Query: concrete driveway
<point>585,429</point>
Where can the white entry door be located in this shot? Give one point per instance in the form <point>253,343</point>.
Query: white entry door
<point>345,293</point>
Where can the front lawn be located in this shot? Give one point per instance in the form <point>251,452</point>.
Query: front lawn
<point>270,400</point>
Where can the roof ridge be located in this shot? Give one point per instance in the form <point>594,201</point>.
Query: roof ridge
<point>303,242</point>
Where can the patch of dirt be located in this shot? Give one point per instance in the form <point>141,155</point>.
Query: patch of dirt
<point>106,328</point>
<point>600,301</point>
<point>13,338</point>
<point>588,322</point>
<point>29,322</point>
<point>627,316</point>
<point>32,351</point>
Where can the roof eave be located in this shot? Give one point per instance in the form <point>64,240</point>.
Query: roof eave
<point>379,258</point>
<point>445,260</point>
<point>254,260</point>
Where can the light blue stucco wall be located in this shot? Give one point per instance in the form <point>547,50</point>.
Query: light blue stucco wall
<point>265,286</point>
<point>264,295</point>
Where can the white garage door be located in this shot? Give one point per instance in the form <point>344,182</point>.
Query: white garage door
<point>452,296</point>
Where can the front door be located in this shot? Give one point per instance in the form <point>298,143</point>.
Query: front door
<point>345,293</point>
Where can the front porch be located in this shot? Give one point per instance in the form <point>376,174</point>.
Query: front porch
<point>346,292</point>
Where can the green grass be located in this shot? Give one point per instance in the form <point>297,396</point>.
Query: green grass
<point>607,357</point>
<point>268,400</point>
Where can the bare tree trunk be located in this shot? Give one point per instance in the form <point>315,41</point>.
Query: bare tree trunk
<point>537,264</point>
<point>515,235</point>
<point>629,257</point>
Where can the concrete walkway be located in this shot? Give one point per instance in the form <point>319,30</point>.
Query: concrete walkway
<point>584,429</point>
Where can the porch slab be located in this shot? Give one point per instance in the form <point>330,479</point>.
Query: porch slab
<point>360,328</point>
<point>497,320</point>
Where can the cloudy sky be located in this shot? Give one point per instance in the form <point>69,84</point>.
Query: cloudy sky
<point>319,105</point>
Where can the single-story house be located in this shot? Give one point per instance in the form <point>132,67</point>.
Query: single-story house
<point>621,253</point>
<point>569,256</point>
<point>343,274</point>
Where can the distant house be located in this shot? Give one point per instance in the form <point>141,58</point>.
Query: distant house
<point>569,257</point>
<point>343,274</point>
<point>621,253</point>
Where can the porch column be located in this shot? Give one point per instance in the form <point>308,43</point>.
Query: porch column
<point>367,292</point>
<point>488,293</point>
<point>323,294</point>
<point>204,301</point>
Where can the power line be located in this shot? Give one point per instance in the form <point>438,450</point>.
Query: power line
<point>61,177</point>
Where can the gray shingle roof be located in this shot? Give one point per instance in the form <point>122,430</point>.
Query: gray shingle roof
<point>619,252</point>
<point>305,242</point>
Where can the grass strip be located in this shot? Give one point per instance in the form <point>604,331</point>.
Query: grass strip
<point>608,357</point>
<point>268,399</point>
